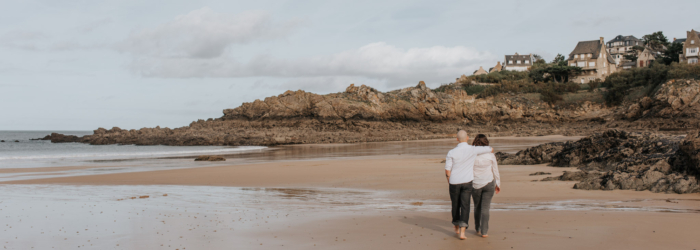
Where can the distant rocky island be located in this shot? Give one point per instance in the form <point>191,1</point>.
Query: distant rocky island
<point>363,114</point>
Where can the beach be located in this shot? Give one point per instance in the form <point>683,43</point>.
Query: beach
<point>347,202</point>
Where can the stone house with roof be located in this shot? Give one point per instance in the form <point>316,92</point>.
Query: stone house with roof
<point>691,48</point>
<point>594,59</point>
<point>645,58</point>
<point>518,62</point>
<point>620,46</point>
<point>496,68</point>
<point>480,71</point>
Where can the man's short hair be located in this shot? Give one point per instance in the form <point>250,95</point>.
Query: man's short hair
<point>462,136</point>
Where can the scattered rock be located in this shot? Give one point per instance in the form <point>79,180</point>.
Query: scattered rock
<point>16,140</point>
<point>618,159</point>
<point>540,173</point>
<point>418,203</point>
<point>531,156</point>
<point>2,140</point>
<point>209,158</point>
<point>443,161</point>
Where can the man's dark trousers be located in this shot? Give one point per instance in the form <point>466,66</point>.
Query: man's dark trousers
<point>460,194</point>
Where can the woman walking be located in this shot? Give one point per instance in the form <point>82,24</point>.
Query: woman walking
<point>487,182</point>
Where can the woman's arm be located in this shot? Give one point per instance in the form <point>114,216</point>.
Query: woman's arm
<point>496,174</point>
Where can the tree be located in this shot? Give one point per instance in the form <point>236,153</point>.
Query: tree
<point>559,60</point>
<point>636,50</point>
<point>656,42</point>
<point>562,73</point>
<point>671,53</point>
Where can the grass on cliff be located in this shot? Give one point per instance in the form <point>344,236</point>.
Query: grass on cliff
<point>633,84</point>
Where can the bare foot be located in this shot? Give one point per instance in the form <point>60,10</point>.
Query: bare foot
<point>456,229</point>
<point>484,235</point>
<point>461,233</point>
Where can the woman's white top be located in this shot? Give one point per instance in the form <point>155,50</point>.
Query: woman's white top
<point>486,170</point>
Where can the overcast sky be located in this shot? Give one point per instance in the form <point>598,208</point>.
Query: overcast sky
<point>79,65</point>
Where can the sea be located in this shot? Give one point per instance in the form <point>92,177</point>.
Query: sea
<point>20,149</point>
<point>24,157</point>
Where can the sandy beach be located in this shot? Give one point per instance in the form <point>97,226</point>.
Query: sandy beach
<point>376,202</point>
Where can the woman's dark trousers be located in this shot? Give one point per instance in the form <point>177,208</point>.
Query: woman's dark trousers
<point>482,205</point>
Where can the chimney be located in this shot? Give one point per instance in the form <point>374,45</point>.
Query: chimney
<point>602,40</point>
<point>674,39</point>
<point>516,53</point>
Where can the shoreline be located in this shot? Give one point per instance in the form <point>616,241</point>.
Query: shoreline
<point>370,201</point>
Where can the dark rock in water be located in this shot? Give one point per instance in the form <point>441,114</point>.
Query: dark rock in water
<point>534,155</point>
<point>16,140</point>
<point>2,140</point>
<point>209,158</point>
<point>60,138</point>
<point>540,173</point>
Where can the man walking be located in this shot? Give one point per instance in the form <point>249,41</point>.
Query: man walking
<point>459,169</point>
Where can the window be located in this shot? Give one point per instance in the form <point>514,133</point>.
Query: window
<point>527,61</point>
<point>575,56</point>
<point>510,61</point>
<point>591,64</point>
<point>605,64</point>
<point>581,64</point>
<point>572,64</point>
<point>518,61</point>
<point>692,41</point>
<point>692,60</point>
<point>692,50</point>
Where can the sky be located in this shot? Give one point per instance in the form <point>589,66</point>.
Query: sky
<point>80,65</point>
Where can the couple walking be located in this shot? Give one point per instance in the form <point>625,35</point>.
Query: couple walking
<point>472,172</point>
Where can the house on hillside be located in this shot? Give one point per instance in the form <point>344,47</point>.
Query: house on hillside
<point>496,68</point>
<point>518,62</point>
<point>628,65</point>
<point>645,58</point>
<point>594,59</point>
<point>620,46</point>
<point>480,71</point>
<point>691,45</point>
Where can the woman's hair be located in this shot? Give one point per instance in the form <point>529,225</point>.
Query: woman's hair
<point>480,140</point>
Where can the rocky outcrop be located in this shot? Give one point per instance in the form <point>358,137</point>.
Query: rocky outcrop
<point>618,159</point>
<point>59,138</point>
<point>534,155</point>
<point>209,158</point>
<point>363,114</point>
<point>674,106</point>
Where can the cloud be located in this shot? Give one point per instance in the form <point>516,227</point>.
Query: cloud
<point>22,39</point>
<point>376,61</point>
<point>204,33</point>
<point>91,26</point>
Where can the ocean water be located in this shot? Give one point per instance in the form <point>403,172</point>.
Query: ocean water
<point>19,151</point>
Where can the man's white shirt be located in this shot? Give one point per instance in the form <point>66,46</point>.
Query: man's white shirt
<point>460,162</point>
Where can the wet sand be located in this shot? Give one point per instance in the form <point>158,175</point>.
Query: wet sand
<point>385,201</point>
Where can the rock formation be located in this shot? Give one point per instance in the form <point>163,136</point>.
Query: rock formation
<point>209,158</point>
<point>618,159</point>
<point>363,114</point>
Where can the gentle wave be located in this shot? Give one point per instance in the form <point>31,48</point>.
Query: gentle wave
<point>137,154</point>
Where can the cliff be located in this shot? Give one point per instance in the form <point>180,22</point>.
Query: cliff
<point>363,114</point>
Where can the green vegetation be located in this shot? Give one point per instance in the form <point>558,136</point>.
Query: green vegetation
<point>473,89</point>
<point>495,77</point>
<point>628,84</point>
<point>557,70</point>
<point>592,85</point>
